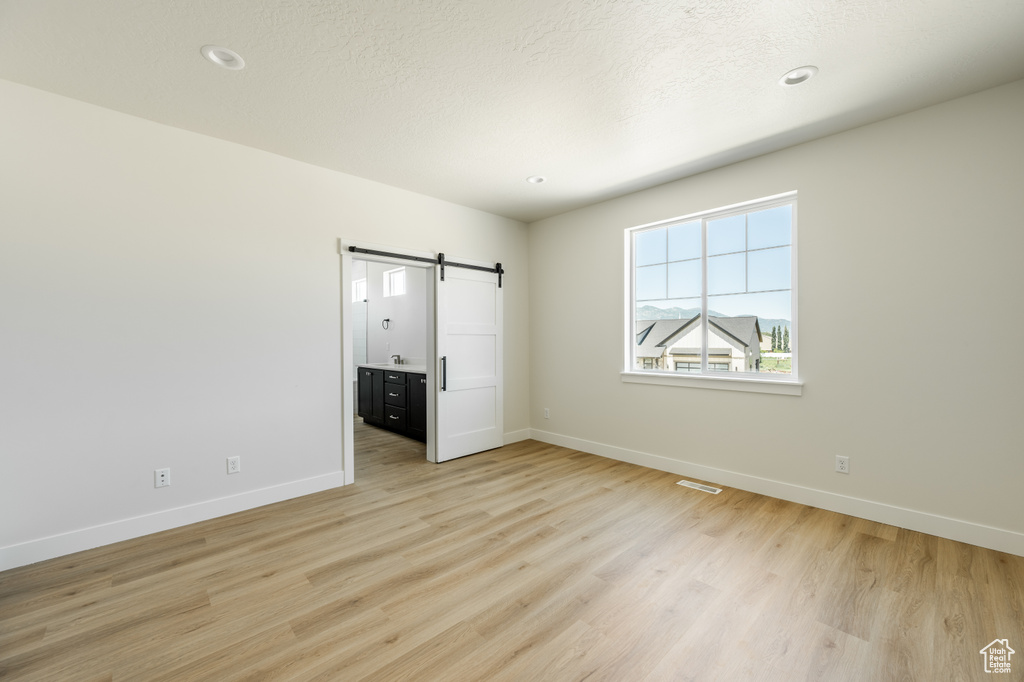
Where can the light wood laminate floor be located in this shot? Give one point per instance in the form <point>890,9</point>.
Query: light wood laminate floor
<point>531,562</point>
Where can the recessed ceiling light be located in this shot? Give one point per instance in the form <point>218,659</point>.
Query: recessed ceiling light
<point>798,76</point>
<point>536,179</point>
<point>222,56</point>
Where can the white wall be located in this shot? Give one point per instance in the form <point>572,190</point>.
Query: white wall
<point>168,300</point>
<point>406,334</point>
<point>910,231</point>
<point>358,319</point>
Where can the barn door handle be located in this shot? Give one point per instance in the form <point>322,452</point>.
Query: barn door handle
<point>444,372</point>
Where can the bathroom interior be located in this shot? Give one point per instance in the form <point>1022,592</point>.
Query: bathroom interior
<point>389,346</point>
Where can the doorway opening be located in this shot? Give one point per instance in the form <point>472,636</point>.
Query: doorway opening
<point>390,337</point>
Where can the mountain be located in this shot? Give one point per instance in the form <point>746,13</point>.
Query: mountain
<point>649,312</point>
<point>767,324</point>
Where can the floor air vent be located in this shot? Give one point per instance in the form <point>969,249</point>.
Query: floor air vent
<point>700,486</point>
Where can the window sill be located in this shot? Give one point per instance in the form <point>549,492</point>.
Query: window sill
<point>747,384</point>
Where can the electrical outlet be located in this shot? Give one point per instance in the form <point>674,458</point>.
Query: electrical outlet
<point>842,464</point>
<point>161,478</point>
<point>234,464</point>
<point>547,413</point>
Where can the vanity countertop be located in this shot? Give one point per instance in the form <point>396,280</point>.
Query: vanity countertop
<point>414,369</point>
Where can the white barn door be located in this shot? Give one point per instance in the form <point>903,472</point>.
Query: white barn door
<point>469,370</point>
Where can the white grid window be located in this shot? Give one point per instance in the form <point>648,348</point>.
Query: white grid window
<point>394,282</point>
<point>715,291</point>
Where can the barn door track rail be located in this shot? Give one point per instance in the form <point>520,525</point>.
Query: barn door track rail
<point>440,261</point>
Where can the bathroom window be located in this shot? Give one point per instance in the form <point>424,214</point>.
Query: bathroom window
<point>394,282</point>
<point>359,290</point>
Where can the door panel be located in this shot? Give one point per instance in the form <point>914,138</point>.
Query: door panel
<point>475,407</point>
<point>471,356</point>
<point>471,301</point>
<point>469,338</point>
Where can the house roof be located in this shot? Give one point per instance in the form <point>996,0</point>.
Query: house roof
<point>654,336</point>
<point>741,328</point>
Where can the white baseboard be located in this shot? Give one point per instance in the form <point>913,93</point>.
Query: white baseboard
<point>999,539</point>
<point>516,436</point>
<point>33,551</point>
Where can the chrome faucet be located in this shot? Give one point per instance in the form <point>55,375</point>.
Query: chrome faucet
<point>397,359</point>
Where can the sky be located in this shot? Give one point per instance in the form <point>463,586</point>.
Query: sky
<point>749,264</point>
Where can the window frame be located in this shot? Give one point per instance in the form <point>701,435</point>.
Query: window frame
<point>738,381</point>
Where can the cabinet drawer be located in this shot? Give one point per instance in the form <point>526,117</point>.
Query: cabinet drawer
<point>394,394</point>
<point>394,417</point>
<point>394,377</point>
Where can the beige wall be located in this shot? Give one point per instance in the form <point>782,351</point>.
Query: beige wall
<point>908,228</point>
<point>168,300</point>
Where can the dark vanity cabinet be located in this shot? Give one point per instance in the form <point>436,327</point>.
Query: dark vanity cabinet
<point>394,400</point>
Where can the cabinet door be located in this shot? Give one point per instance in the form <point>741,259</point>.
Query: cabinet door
<point>371,395</point>
<point>378,395</point>
<point>416,419</point>
<point>364,379</point>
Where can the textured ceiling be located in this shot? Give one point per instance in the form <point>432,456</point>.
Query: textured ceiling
<point>462,100</point>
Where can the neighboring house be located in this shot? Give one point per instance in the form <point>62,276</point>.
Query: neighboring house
<point>734,344</point>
